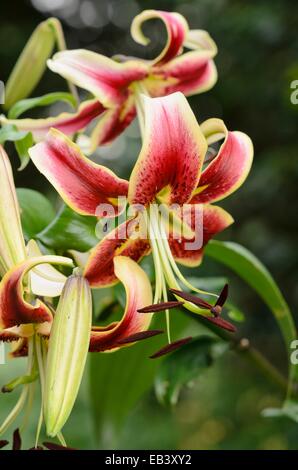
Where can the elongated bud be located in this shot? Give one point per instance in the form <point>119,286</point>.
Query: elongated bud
<point>31,63</point>
<point>12,246</point>
<point>67,354</point>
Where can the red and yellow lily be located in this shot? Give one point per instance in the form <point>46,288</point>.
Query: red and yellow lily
<point>116,83</point>
<point>25,272</point>
<point>27,276</point>
<point>170,171</point>
<point>27,320</point>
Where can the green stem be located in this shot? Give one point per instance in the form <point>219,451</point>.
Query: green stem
<point>264,365</point>
<point>23,396</point>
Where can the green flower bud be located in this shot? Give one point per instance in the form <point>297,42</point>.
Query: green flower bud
<point>67,354</point>
<point>32,62</point>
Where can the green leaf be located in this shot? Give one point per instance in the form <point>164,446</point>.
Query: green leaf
<point>210,284</point>
<point>24,105</point>
<point>22,146</point>
<point>70,231</point>
<point>119,380</point>
<point>185,365</point>
<point>36,211</point>
<point>11,133</point>
<point>256,275</point>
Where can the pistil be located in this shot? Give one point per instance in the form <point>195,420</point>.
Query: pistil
<point>167,273</point>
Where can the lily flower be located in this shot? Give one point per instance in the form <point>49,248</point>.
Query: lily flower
<point>170,171</point>
<point>25,272</point>
<point>116,83</point>
<point>28,321</point>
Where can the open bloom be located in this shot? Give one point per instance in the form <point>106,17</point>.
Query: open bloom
<point>26,319</point>
<point>116,83</point>
<point>170,171</point>
<point>25,272</point>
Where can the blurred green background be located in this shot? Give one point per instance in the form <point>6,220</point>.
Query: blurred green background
<point>257,61</point>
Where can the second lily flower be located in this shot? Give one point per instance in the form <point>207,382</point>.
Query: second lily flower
<point>173,169</point>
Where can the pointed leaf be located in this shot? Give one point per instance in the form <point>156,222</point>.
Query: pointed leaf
<point>70,231</point>
<point>185,365</point>
<point>22,146</point>
<point>36,211</point>
<point>24,105</point>
<point>255,274</point>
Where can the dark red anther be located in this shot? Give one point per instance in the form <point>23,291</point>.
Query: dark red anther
<point>17,441</point>
<point>171,347</point>
<point>140,336</point>
<point>3,444</point>
<point>192,298</point>
<point>53,446</point>
<point>160,307</point>
<point>221,323</point>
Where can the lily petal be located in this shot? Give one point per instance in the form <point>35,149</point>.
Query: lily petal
<point>14,309</point>
<point>177,29</point>
<point>103,77</point>
<point>68,123</point>
<point>215,220</point>
<point>19,348</point>
<point>191,73</point>
<point>81,183</point>
<point>99,269</point>
<point>12,245</point>
<point>112,123</point>
<point>199,39</point>
<point>45,280</point>
<point>138,295</point>
<point>229,169</point>
<point>172,153</point>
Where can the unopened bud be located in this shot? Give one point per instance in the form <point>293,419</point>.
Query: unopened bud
<point>67,354</point>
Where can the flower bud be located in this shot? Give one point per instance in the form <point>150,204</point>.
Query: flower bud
<point>12,246</point>
<point>67,353</point>
<point>31,63</point>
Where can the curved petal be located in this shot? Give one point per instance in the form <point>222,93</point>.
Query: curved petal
<point>12,245</point>
<point>138,295</point>
<point>199,39</point>
<point>99,269</point>
<point>14,309</point>
<point>206,221</point>
<point>192,73</point>
<point>229,169</point>
<point>81,183</point>
<point>203,80</point>
<point>103,77</point>
<point>112,123</point>
<point>172,153</point>
<point>25,331</point>
<point>68,123</point>
<point>19,348</point>
<point>45,280</point>
<point>177,29</point>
